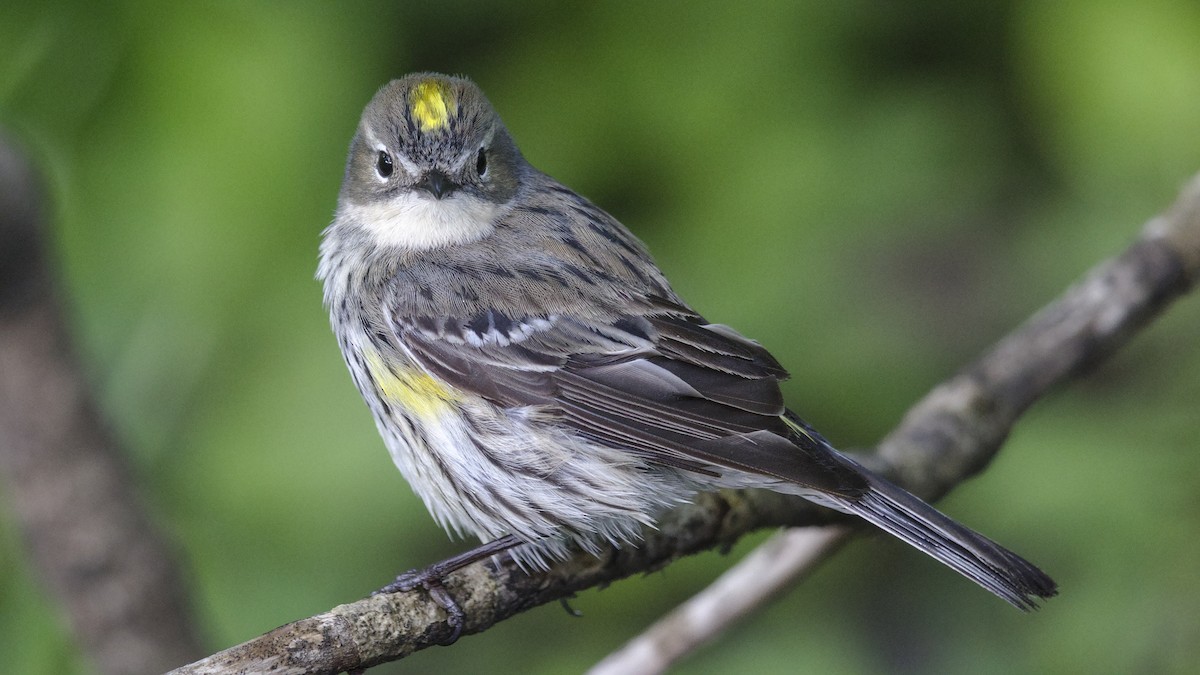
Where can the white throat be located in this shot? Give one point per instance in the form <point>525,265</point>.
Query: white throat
<point>414,220</point>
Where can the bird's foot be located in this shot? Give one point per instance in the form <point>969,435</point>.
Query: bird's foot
<point>432,580</point>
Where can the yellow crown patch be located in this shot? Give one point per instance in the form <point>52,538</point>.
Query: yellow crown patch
<point>432,103</point>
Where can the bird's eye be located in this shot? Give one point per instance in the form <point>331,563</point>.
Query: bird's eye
<point>481,163</point>
<point>383,164</point>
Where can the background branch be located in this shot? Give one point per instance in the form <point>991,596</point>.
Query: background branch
<point>949,435</point>
<point>958,427</point>
<point>772,567</point>
<point>68,483</point>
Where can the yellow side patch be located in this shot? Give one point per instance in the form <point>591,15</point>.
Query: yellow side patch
<point>432,103</point>
<point>410,388</point>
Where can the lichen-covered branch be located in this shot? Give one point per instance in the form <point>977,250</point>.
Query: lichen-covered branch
<point>947,436</point>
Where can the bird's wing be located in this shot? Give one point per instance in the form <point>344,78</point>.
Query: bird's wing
<point>662,383</point>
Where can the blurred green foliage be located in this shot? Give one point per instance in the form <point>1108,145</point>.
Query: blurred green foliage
<point>875,190</point>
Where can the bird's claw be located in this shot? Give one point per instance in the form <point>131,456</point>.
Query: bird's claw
<point>431,580</point>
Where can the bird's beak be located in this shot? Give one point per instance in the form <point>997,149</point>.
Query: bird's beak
<point>437,184</point>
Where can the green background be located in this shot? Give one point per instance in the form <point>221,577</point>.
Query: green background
<point>875,190</point>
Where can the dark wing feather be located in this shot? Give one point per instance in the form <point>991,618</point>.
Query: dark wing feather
<point>665,385</point>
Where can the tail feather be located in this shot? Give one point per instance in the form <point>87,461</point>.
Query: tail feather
<point>905,516</point>
<point>967,552</point>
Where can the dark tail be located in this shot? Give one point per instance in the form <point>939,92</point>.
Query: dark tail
<point>903,515</point>
<point>967,552</point>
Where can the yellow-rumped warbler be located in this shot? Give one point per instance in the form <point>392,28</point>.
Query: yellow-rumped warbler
<point>533,374</point>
